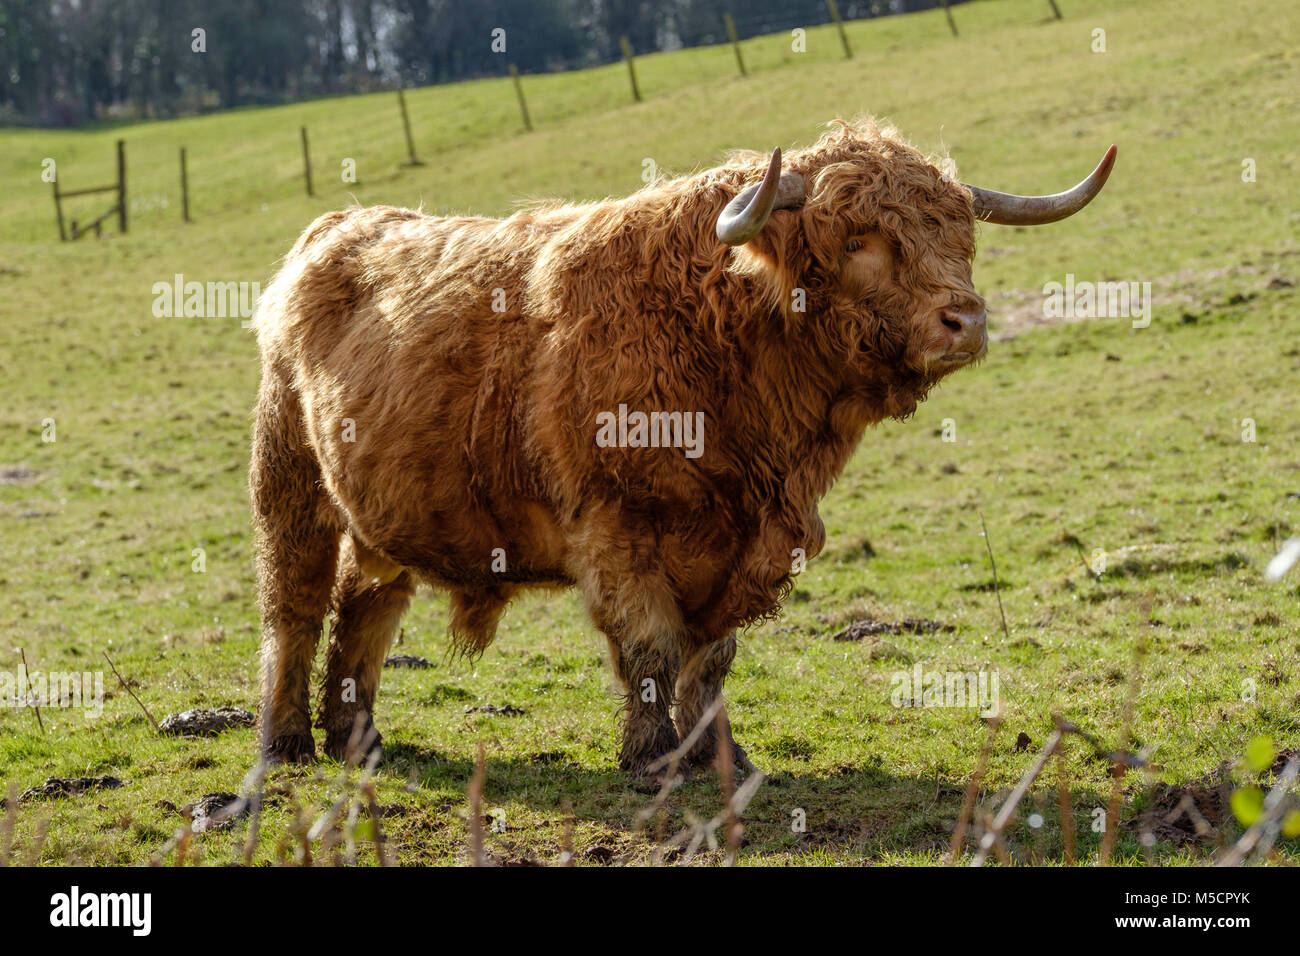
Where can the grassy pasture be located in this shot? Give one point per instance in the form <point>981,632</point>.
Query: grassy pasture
<point>1091,436</point>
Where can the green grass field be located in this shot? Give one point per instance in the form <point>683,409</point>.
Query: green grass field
<point>1071,438</point>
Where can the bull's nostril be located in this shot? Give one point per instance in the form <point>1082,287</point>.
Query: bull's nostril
<point>952,324</point>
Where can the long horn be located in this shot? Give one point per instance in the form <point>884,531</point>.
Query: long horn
<point>1010,210</point>
<point>748,212</point>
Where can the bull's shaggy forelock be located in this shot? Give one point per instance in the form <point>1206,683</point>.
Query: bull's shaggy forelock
<point>864,178</point>
<point>473,357</point>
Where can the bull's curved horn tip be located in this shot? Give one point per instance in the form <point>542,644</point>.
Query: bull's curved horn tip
<point>1103,168</point>
<point>1012,210</point>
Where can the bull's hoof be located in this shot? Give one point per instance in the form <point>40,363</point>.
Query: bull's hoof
<point>355,748</point>
<point>642,751</point>
<point>290,748</point>
<point>645,780</point>
<point>650,767</point>
<point>741,759</point>
<point>638,767</point>
<point>705,761</point>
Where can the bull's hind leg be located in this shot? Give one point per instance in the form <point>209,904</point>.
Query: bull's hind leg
<point>370,596</point>
<point>698,685</point>
<point>297,545</point>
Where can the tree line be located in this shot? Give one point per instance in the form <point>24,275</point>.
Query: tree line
<point>71,62</point>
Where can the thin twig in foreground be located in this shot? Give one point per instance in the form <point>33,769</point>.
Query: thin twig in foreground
<point>972,791</point>
<point>132,693</point>
<point>1066,808</point>
<point>1120,766</point>
<point>1087,568</point>
<point>696,832</point>
<point>726,770</point>
<point>672,761</point>
<point>372,804</point>
<point>254,781</point>
<point>10,824</point>
<point>993,835</point>
<point>36,708</point>
<point>476,808</point>
<point>997,589</point>
<point>675,757</point>
<point>1259,838</point>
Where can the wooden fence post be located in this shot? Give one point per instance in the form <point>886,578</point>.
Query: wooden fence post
<point>844,37</point>
<point>735,42</point>
<point>58,207</point>
<point>412,159</point>
<point>306,161</point>
<point>952,24</point>
<point>121,185</point>
<point>519,92</point>
<point>185,189</point>
<point>631,70</point>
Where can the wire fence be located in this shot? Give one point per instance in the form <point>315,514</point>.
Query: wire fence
<point>524,103</point>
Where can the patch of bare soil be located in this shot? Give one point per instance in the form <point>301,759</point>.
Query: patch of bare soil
<point>505,710</point>
<point>18,475</point>
<point>56,787</point>
<point>1190,814</point>
<point>407,660</point>
<point>548,757</point>
<point>600,855</point>
<point>1283,758</point>
<point>1198,811</point>
<point>206,723</point>
<point>215,811</point>
<point>859,630</point>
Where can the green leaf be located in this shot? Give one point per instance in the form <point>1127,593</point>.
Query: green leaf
<point>1247,804</point>
<point>1291,824</point>
<point>1260,754</point>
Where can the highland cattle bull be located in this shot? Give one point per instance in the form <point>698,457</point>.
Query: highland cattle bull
<point>469,402</point>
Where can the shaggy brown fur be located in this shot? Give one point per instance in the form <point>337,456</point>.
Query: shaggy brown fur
<point>406,428</point>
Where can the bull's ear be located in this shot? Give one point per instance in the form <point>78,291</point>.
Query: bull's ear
<point>791,192</point>
<point>745,215</point>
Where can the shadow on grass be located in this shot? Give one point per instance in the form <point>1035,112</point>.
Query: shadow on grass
<point>861,814</point>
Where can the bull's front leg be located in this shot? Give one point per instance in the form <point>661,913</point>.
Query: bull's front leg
<point>648,672</point>
<point>632,603</point>
<point>699,685</point>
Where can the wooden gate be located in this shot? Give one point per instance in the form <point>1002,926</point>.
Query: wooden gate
<point>77,231</point>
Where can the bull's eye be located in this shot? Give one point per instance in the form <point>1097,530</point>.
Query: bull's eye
<point>853,245</point>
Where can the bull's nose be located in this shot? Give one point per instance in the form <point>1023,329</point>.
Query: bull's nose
<point>969,333</point>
